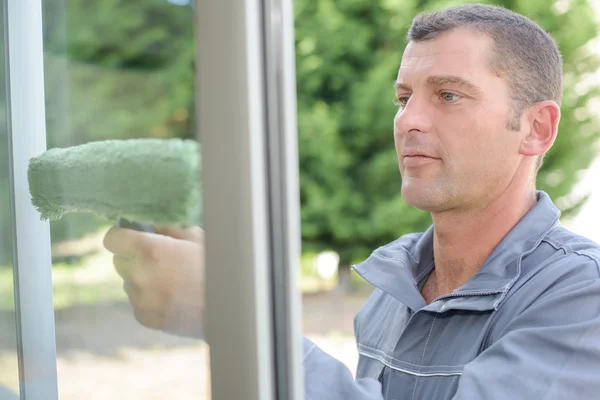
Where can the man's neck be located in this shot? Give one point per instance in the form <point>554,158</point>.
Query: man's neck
<point>463,241</point>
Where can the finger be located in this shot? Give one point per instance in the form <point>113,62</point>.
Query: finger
<point>142,310</point>
<point>196,234</point>
<point>172,231</point>
<point>133,293</point>
<point>135,250</point>
<point>123,241</point>
<point>192,234</point>
<point>124,265</point>
<point>148,319</point>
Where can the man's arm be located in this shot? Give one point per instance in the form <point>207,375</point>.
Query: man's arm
<point>163,276</point>
<point>550,351</point>
<point>326,378</point>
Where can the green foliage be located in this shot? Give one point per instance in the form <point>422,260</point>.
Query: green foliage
<point>120,69</point>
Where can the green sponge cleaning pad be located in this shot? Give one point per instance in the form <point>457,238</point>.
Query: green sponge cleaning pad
<point>154,181</point>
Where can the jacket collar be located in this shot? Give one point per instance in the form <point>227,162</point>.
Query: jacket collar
<point>398,267</point>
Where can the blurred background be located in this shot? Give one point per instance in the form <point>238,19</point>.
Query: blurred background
<point>117,69</point>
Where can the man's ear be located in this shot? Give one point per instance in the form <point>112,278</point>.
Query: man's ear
<point>542,119</point>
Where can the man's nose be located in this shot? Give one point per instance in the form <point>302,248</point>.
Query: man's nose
<point>414,117</point>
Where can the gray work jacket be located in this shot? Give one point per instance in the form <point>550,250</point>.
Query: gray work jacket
<point>525,326</point>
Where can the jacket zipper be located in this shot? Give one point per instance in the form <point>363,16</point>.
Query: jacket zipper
<point>469,294</point>
<point>381,378</point>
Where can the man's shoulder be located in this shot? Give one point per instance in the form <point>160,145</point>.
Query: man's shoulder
<point>568,241</point>
<point>562,259</point>
<point>569,250</point>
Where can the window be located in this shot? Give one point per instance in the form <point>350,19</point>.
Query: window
<point>84,74</point>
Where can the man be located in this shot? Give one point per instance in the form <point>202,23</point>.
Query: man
<point>496,300</point>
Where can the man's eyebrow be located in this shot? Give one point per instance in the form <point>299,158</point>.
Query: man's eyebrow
<point>399,85</point>
<point>442,80</point>
<point>453,80</point>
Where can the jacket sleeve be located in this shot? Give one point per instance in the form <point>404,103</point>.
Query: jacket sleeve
<point>549,351</point>
<point>326,378</point>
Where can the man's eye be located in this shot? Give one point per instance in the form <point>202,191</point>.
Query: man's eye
<point>449,97</point>
<point>401,101</point>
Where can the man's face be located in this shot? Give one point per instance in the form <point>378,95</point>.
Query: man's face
<point>455,150</point>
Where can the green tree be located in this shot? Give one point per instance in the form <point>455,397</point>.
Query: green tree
<point>118,69</point>
<point>348,53</point>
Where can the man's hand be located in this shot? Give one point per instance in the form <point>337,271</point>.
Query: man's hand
<point>163,276</point>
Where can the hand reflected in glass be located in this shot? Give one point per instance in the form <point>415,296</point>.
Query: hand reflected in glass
<point>163,276</point>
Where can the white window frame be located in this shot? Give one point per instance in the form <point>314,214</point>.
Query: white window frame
<point>246,108</point>
<point>32,258</point>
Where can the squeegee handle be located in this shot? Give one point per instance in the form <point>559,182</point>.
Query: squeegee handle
<point>123,223</point>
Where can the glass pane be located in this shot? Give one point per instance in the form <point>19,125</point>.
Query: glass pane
<point>119,83</point>
<point>9,368</point>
